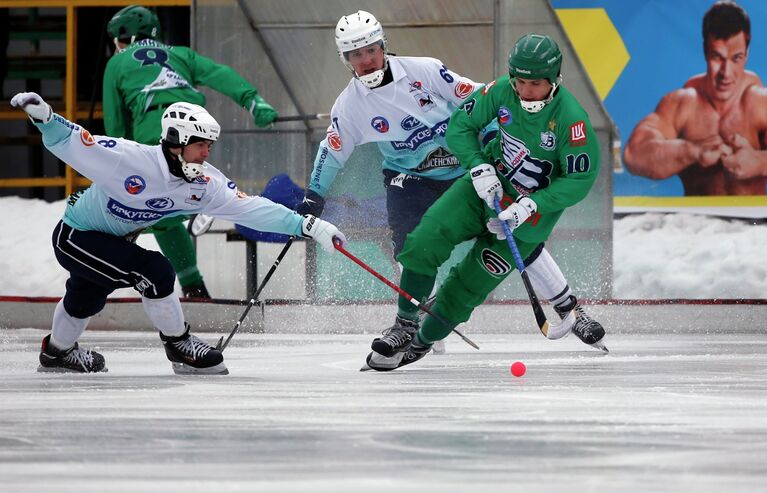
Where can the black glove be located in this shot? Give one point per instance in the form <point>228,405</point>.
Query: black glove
<point>312,204</point>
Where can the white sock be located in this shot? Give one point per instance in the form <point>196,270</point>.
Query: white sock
<point>548,281</point>
<point>66,328</point>
<point>165,314</point>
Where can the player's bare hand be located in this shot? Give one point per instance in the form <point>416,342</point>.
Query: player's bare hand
<point>744,162</point>
<point>710,151</point>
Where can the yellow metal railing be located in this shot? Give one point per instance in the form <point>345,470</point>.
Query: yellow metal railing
<point>70,180</point>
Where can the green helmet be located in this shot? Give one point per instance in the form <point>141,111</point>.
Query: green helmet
<point>535,56</point>
<point>134,21</point>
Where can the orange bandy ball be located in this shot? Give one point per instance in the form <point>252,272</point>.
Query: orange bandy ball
<point>518,369</point>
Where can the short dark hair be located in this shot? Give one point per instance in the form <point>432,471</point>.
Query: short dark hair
<point>724,20</point>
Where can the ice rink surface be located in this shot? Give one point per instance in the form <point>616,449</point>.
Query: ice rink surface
<point>660,413</point>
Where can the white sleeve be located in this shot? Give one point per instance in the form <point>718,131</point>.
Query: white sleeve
<point>95,157</point>
<point>259,213</point>
<point>449,85</point>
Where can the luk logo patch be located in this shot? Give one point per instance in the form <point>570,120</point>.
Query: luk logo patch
<point>135,184</point>
<point>463,89</point>
<point>86,138</point>
<point>380,124</point>
<point>494,264</point>
<point>160,203</point>
<point>578,134</point>
<point>334,141</point>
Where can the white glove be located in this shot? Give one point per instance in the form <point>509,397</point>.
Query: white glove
<point>486,183</point>
<point>518,212</point>
<point>322,232</point>
<point>495,226</point>
<point>33,104</point>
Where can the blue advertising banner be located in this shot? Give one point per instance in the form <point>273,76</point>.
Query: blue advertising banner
<point>693,121</point>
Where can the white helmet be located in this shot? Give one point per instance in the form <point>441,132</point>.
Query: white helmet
<point>354,31</point>
<point>185,123</point>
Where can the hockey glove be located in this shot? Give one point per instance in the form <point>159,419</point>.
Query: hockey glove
<point>37,109</point>
<point>486,183</point>
<point>313,204</point>
<point>263,113</point>
<point>517,213</point>
<point>322,232</point>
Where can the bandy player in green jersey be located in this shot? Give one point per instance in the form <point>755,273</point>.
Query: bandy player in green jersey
<point>141,80</point>
<point>545,159</point>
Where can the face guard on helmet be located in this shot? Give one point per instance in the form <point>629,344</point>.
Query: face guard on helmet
<point>184,124</point>
<point>536,57</point>
<point>132,23</point>
<point>358,30</point>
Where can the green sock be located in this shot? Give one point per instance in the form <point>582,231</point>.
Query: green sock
<point>433,330</point>
<point>419,287</point>
<point>176,244</point>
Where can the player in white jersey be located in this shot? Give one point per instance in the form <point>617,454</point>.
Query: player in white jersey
<point>134,186</point>
<point>404,105</point>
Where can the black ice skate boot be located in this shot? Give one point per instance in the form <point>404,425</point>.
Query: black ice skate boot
<point>198,291</point>
<point>191,355</point>
<point>396,338</point>
<point>73,359</point>
<point>411,354</point>
<point>586,328</point>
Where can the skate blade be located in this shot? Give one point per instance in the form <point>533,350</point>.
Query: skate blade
<point>184,369</point>
<point>599,345</point>
<point>379,362</point>
<point>58,369</point>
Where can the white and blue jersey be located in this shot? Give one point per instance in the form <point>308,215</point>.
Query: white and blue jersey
<point>407,118</point>
<point>133,187</point>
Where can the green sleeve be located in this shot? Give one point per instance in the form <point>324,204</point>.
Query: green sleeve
<point>221,78</point>
<point>116,115</point>
<point>579,162</point>
<point>468,121</point>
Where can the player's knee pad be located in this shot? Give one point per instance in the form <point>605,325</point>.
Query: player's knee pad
<point>155,278</point>
<point>82,304</point>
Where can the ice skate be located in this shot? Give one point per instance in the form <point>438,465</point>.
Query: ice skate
<point>74,359</point>
<point>586,328</point>
<point>190,355</point>
<point>412,354</point>
<point>396,338</point>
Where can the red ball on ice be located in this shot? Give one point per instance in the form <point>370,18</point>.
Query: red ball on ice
<point>518,369</point>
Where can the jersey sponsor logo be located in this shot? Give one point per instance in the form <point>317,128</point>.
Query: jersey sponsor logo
<point>86,138</point>
<point>548,141</point>
<point>578,133</point>
<point>380,124</point>
<point>135,184</point>
<point>463,89</point>
<point>504,115</point>
<point>231,185</point>
<point>493,263</point>
<point>410,122</point>
<point>487,88</point>
<point>421,135</point>
<point>130,214</point>
<point>437,159</point>
<point>195,195</point>
<point>160,203</point>
<point>202,180</point>
<point>524,171</point>
<point>334,141</point>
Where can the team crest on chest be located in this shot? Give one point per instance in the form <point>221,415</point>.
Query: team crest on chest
<point>380,124</point>
<point>548,140</point>
<point>135,184</point>
<point>504,115</point>
<point>421,96</point>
